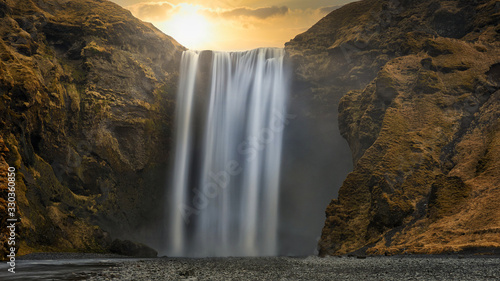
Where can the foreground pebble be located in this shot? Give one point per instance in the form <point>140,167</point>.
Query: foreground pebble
<point>310,268</point>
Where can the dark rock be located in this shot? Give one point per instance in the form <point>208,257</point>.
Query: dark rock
<point>133,249</point>
<point>451,24</point>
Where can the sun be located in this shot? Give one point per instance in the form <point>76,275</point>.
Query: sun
<point>189,27</point>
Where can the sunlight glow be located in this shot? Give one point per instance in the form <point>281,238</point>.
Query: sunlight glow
<point>213,25</point>
<point>189,27</point>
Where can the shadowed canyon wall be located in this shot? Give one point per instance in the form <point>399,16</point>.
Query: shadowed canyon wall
<point>420,110</point>
<point>87,95</point>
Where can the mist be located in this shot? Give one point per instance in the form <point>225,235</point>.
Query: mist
<point>316,160</point>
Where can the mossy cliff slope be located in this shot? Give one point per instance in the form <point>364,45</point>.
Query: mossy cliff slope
<point>420,110</point>
<point>87,94</point>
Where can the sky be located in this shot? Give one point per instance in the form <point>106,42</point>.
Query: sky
<point>231,25</point>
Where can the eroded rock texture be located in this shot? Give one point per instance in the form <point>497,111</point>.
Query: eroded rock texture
<point>87,97</point>
<point>420,110</point>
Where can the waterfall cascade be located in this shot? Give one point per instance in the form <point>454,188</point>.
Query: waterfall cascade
<point>223,198</point>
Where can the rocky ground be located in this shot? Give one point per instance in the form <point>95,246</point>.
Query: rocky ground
<point>452,267</point>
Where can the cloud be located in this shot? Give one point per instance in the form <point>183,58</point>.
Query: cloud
<point>161,11</point>
<point>259,13</point>
<point>327,10</point>
<point>234,28</point>
<point>152,11</point>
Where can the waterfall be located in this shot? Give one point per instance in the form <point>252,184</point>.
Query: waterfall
<point>224,194</point>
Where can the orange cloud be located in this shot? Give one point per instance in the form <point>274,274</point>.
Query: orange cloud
<point>260,13</point>
<point>329,9</point>
<point>152,11</point>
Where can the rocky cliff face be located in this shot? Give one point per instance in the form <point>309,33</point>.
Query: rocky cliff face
<point>87,94</point>
<point>420,108</point>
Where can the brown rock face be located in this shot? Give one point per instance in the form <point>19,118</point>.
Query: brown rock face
<point>87,94</point>
<point>420,110</point>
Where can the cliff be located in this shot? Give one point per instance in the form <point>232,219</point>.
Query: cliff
<point>416,84</point>
<point>87,95</point>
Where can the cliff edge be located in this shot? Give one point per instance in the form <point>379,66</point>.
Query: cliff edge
<point>87,96</point>
<point>417,85</point>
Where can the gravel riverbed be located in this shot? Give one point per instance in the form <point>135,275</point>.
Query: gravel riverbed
<point>262,268</point>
